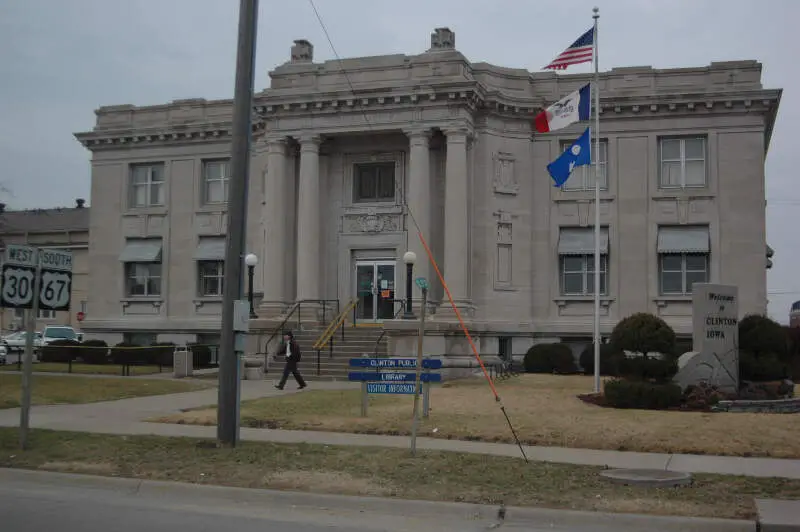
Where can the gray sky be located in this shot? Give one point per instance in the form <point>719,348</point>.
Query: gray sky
<point>61,59</point>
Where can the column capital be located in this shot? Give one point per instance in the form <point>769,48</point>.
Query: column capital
<point>418,132</point>
<point>309,142</point>
<point>457,133</point>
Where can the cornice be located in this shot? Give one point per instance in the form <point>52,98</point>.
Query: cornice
<point>469,94</point>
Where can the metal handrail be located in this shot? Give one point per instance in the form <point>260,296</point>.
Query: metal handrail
<point>295,308</point>
<point>383,332</point>
<point>334,325</point>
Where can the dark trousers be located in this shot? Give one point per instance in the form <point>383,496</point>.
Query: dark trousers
<point>291,367</point>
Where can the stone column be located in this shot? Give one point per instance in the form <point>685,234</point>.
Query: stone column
<point>418,199</point>
<point>275,230</point>
<point>456,224</point>
<point>308,222</point>
<point>255,209</point>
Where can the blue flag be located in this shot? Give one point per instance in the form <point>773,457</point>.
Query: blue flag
<point>579,154</point>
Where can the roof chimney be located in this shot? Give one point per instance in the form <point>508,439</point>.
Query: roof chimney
<point>79,203</point>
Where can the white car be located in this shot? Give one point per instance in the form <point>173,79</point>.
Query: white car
<point>15,342</point>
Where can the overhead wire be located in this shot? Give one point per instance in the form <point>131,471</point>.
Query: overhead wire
<point>424,243</point>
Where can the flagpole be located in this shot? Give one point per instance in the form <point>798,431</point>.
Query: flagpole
<point>596,16</point>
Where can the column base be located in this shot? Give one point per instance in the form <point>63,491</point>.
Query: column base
<point>271,309</point>
<point>445,310</point>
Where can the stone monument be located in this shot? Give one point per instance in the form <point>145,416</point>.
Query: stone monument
<point>715,335</point>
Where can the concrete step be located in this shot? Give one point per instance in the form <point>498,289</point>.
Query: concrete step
<point>778,515</point>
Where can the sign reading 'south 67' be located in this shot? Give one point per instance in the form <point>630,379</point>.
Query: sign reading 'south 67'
<point>19,273</point>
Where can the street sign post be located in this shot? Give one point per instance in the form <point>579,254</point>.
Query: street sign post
<point>423,285</point>
<point>34,279</point>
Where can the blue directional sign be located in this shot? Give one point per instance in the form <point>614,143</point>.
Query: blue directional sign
<point>394,363</point>
<point>393,377</point>
<point>383,387</point>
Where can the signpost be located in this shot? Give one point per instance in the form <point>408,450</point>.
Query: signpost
<point>32,279</point>
<point>393,376</point>
<point>422,283</point>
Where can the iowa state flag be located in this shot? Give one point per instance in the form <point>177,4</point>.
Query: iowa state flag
<point>572,108</point>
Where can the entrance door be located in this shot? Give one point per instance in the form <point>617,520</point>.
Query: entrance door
<point>375,289</point>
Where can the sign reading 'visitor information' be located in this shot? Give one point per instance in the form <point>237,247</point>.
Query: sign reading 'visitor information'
<point>715,323</point>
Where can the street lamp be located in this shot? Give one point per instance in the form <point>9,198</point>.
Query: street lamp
<point>251,260</point>
<point>409,258</point>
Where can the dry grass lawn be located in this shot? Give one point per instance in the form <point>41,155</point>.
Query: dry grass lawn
<point>438,476</point>
<point>544,410</point>
<point>56,390</point>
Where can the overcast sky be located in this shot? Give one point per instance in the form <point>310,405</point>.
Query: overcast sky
<point>61,59</point>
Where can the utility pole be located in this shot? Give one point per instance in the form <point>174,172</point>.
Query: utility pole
<point>227,404</point>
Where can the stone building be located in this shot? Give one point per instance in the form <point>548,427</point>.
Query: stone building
<point>343,151</point>
<point>65,228</point>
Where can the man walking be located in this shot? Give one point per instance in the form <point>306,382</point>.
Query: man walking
<point>291,351</point>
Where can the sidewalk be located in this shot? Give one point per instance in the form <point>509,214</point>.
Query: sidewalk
<point>124,417</point>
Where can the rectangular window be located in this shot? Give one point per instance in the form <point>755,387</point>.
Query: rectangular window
<point>147,185</point>
<point>577,275</point>
<point>374,182</point>
<point>216,176</point>
<point>210,277</point>
<point>47,314</point>
<point>683,162</point>
<point>679,271</point>
<point>582,177</point>
<point>143,279</point>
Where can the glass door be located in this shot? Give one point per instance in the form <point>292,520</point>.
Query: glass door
<point>375,290</point>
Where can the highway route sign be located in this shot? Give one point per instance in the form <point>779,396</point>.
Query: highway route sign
<point>56,281</point>
<point>18,273</point>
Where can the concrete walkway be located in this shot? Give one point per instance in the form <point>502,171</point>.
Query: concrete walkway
<point>125,417</point>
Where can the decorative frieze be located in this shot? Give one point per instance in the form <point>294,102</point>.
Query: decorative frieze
<point>372,222</point>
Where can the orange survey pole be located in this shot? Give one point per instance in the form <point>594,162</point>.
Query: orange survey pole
<point>469,339</point>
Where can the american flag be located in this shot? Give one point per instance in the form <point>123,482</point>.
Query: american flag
<point>578,52</point>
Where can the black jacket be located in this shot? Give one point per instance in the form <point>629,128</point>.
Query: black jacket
<point>295,350</point>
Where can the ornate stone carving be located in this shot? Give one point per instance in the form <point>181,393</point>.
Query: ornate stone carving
<point>443,39</point>
<point>372,222</point>
<point>505,179</point>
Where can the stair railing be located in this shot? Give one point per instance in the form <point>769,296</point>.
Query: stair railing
<point>383,332</point>
<point>295,308</point>
<point>327,336</point>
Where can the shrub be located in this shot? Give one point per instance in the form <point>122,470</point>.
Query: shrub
<point>60,351</point>
<point>550,358</point>
<point>161,353</point>
<point>702,396</point>
<point>760,335</point>
<point>621,393</point>
<point>609,360</point>
<point>94,352</point>
<point>201,355</point>
<point>644,333</point>
<point>643,368</point>
<point>767,367</point>
<point>125,353</point>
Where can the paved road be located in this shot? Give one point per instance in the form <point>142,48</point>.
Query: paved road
<point>31,501</point>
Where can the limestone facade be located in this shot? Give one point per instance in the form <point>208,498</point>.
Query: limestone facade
<point>350,158</point>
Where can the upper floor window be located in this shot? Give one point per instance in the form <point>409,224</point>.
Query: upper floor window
<point>211,274</point>
<point>576,261</point>
<point>374,182</point>
<point>582,177</point>
<point>147,185</point>
<point>683,258</point>
<point>683,162</point>
<point>216,176</point>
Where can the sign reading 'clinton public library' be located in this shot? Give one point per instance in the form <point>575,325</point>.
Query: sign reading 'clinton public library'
<point>715,322</point>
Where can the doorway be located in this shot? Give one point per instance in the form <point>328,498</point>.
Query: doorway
<point>375,289</point>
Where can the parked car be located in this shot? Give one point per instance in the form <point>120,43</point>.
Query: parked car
<point>15,342</point>
<point>58,332</point>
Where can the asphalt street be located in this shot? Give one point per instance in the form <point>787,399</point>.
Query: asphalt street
<point>31,501</point>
